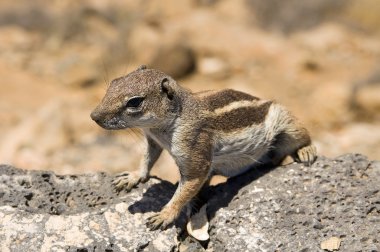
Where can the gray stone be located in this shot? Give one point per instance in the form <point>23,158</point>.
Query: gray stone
<point>48,212</point>
<point>290,208</point>
<point>294,208</point>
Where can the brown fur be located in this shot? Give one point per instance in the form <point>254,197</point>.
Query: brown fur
<point>239,118</point>
<point>225,97</point>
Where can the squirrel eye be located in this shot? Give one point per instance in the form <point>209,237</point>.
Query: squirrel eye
<point>134,102</point>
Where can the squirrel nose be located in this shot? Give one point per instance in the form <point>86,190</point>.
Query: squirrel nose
<point>96,116</point>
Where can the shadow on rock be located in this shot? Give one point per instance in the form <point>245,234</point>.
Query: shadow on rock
<point>227,191</point>
<point>155,197</point>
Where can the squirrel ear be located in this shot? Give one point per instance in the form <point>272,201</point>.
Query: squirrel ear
<point>167,89</point>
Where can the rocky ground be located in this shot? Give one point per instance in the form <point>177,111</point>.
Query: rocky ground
<point>290,208</point>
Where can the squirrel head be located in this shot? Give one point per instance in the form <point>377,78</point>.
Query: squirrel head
<point>145,98</point>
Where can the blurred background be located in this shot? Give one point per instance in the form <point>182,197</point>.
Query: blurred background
<point>320,58</point>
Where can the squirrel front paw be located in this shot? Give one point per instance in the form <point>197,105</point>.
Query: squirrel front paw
<point>126,181</point>
<point>162,219</point>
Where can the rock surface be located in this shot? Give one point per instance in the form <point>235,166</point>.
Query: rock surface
<point>295,208</point>
<point>49,212</point>
<point>290,208</point>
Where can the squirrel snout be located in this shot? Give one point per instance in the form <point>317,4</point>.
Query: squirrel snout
<point>96,116</point>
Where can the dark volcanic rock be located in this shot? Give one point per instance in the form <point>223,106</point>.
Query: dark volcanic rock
<point>48,212</point>
<point>295,208</point>
<point>291,208</point>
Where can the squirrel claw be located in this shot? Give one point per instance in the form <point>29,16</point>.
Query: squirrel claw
<point>158,221</point>
<point>307,155</point>
<point>125,181</point>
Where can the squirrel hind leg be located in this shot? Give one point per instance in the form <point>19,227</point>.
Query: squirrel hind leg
<point>307,154</point>
<point>297,146</point>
